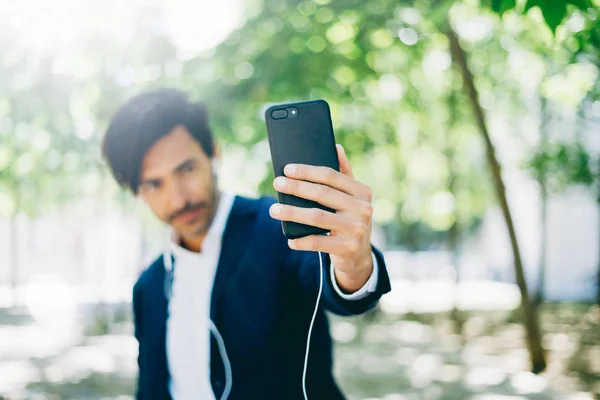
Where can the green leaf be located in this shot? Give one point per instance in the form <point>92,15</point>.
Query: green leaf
<point>554,11</point>
<point>532,3</point>
<point>581,4</point>
<point>501,6</point>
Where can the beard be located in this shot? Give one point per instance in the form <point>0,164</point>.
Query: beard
<point>209,207</point>
<point>212,206</point>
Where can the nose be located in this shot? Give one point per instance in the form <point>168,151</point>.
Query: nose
<point>176,197</point>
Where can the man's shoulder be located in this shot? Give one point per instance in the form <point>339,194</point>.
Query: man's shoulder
<point>151,274</point>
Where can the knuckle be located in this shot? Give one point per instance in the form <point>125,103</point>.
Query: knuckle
<point>318,215</point>
<point>292,185</point>
<point>366,210</point>
<point>301,172</point>
<point>329,174</point>
<point>359,229</point>
<point>317,242</point>
<point>324,191</point>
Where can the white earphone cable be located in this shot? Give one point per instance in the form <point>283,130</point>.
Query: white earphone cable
<point>223,351</point>
<point>311,326</point>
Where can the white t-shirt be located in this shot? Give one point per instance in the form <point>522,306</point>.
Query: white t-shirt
<point>188,330</point>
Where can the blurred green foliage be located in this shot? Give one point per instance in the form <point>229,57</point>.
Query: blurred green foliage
<point>384,67</point>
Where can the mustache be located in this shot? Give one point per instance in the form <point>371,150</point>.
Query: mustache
<point>186,208</point>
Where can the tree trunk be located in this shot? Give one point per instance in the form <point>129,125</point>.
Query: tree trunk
<point>531,325</point>
<point>453,236</point>
<point>542,179</point>
<point>454,231</point>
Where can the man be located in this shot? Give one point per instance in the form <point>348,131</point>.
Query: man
<point>230,265</point>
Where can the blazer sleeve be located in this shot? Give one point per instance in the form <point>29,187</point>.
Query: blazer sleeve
<point>306,269</point>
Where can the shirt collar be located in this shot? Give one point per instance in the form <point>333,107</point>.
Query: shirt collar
<point>215,231</point>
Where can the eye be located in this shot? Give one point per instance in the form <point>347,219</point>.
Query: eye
<point>151,186</point>
<point>188,168</point>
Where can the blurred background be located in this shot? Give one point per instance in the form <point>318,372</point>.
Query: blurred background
<point>476,123</point>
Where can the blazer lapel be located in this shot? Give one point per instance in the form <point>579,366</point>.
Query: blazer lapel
<point>238,231</point>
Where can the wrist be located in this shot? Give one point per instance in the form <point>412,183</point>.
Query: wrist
<point>352,281</point>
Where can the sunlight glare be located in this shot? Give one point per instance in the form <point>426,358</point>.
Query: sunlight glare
<point>192,25</point>
<point>197,25</point>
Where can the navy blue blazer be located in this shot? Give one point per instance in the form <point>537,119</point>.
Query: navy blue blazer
<point>262,302</point>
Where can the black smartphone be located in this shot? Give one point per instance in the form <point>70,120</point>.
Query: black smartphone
<point>301,133</point>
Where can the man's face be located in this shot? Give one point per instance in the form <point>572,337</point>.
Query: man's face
<point>177,182</point>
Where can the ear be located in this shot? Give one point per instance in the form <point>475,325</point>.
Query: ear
<point>139,196</point>
<point>215,160</point>
<point>216,149</point>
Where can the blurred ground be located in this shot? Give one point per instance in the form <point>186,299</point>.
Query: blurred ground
<point>418,357</point>
<point>378,356</point>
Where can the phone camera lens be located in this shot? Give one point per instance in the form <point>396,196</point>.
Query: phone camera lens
<point>279,114</point>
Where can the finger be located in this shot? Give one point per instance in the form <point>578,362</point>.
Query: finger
<point>322,194</point>
<point>327,176</point>
<point>345,167</point>
<point>337,245</point>
<point>311,216</point>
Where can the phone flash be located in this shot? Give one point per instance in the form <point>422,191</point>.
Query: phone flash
<point>293,111</point>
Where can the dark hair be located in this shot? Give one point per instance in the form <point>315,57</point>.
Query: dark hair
<point>141,122</point>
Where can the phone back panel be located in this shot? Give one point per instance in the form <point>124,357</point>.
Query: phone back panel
<point>303,139</point>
